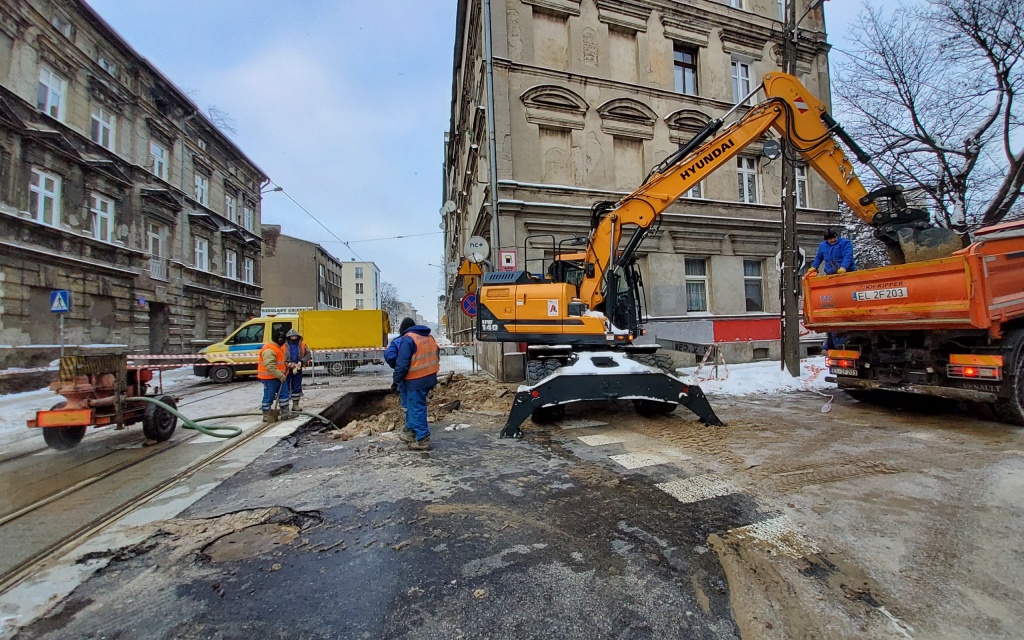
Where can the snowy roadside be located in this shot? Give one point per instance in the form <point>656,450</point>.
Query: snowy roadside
<point>759,378</point>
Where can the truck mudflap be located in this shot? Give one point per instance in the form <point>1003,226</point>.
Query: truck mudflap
<point>651,387</point>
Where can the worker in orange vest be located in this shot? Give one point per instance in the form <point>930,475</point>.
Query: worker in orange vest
<point>296,356</point>
<point>416,369</point>
<point>272,371</point>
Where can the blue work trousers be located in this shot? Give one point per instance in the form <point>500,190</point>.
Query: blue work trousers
<point>295,384</point>
<point>270,389</point>
<point>416,412</point>
<point>401,394</point>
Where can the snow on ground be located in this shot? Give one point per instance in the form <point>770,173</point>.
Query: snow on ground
<point>17,408</point>
<point>759,378</point>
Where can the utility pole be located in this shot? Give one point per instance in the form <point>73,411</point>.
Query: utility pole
<point>790,299</point>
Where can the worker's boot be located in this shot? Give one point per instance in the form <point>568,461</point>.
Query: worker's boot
<point>295,404</point>
<point>267,416</point>
<point>286,412</point>
<point>407,436</point>
<point>420,445</point>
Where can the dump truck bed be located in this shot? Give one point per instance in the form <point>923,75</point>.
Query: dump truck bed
<point>979,288</point>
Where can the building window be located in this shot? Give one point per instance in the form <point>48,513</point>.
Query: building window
<point>248,269</point>
<point>50,97</point>
<point>201,143</point>
<point>753,288</point>
<point>102,211</point>
<point>62,25</point>
<point>740,81</point>
<point>782,10</point>
<point>801,187</point>
<point>202,254</point>
<point>202,189</point>
<point>44,198</point>
<point>686,70</point>
<point>359,288</point>
<point>359,303</point>
<point>158,157</point>
<point>746,179</point>
<point>107,64</point>
<point>157,264</point>
<point>247,217</point>
<point>696,191</point>
<point>696,284</point>
<point>359,273</point>
<point>102,132</point>
<point>736,4</point>
<point>231,208</point>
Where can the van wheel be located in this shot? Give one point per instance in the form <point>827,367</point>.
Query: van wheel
<point>221,374</point>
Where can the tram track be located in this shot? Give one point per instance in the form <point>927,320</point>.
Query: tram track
<point>66,543</point>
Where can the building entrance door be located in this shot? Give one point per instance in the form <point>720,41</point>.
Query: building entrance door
<point>159,327</point>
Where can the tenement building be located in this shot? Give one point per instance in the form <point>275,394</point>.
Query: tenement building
<point>115,186</point>
<point>589,95</point>
<point>298,274</point>
<point>360,285</point>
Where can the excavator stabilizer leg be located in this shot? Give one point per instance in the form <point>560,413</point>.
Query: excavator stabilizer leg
<point>564,388</point>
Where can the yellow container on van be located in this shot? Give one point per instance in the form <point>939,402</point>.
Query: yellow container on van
<point>364,332</point>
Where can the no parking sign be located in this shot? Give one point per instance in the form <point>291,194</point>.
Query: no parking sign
<point>469,305</point>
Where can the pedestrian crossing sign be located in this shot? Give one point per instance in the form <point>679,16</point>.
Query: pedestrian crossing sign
<point>60,301</point>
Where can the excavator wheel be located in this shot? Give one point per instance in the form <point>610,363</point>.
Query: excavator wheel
<point>653,408</point>
<point>548,415</point>
<point>535,371</point>
<point>661,361</point>
<point>551,365</point>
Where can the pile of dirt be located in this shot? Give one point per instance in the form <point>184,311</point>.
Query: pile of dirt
<point>380,414</point>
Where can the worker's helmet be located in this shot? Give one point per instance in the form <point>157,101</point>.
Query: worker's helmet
<point>292,333</point>
<point>831,233</point>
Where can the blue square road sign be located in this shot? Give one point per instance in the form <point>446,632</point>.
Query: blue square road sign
<point>60,301</point>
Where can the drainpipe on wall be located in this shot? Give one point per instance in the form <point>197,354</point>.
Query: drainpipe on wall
<point>492,148</point>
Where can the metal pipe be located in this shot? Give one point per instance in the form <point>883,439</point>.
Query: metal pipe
<point>492,147</point>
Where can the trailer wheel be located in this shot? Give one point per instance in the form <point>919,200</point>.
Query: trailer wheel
<point>547,415</point>
<point>535,371</point>
<point>221,374</point>
<point>343,368</point>
<point>159,423</point>
<point>654,408</point>
<point>62,438</point>
<point>1011,409</point>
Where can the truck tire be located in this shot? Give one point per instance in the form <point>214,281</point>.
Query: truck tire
<point>62,438</point>
<point>1011,409</point>
<point>343,368</point>
<point>661,361</point>
<point>159,423</point>
<point>221,374</point>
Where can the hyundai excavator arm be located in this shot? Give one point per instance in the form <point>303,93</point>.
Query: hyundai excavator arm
<point>803,121</point>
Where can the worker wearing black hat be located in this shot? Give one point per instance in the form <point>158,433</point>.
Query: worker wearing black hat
<point>835,255</point>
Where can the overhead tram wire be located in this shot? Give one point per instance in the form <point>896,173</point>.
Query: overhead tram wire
<point>317,220</point>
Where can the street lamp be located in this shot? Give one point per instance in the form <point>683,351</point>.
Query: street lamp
<point>271,190</point>
<point>790,269</point>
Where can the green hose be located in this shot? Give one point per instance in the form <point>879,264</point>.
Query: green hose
<point>217,431</point>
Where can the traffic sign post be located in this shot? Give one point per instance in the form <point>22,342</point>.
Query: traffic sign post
<point>60,303</point>
<point>469,305</point>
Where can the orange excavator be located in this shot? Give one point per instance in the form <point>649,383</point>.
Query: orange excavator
<point>580,317</point>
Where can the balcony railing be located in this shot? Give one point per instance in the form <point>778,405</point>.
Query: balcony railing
<point>158,268</point>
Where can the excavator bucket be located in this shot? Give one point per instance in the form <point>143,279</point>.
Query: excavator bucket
<point>932,243</point>
<point>606,376</point>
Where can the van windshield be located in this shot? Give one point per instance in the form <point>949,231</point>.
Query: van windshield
<point>248,335</point>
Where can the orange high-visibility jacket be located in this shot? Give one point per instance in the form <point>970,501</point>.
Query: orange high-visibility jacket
<point>426,360</point>
<point>261,368</point>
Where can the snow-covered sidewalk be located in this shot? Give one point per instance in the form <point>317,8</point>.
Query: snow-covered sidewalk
<point>759,378</point>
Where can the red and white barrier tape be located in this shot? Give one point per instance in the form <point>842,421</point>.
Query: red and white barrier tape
<point>236,355</point>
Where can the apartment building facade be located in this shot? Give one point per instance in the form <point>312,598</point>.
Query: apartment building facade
<point>299,273</point>
<point>114,185</point>
<point>360,285</point>
<point>588,96</point>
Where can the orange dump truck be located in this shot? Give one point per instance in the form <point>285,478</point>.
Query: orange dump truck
<point>951,327</point>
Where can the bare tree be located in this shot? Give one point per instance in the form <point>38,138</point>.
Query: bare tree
<point>869,252</point>
<point>389,302</point>
<point>933,92</point>
<point>221,118</point>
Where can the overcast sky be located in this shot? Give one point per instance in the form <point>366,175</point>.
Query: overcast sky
<point>344,104</point>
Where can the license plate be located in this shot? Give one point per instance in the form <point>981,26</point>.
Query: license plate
<point>840,371</point>
<point>880,294</point>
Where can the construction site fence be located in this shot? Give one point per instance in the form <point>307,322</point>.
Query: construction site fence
<point>457,357</point>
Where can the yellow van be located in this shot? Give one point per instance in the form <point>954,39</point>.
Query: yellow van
<point>362,333</point>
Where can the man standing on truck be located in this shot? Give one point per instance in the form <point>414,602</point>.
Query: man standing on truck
<point>270,369</point>
<point>296,356</point>
<point>835,255</point>
<point>416,367</point>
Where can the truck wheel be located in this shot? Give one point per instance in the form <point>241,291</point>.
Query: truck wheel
<point>654,408</point>
<point>159,423</point>
<point>1011,409</point>
<point>62,438</point>
<point>221,374</point>
<point>535,371</point>
<point>547,415</point>
<point>343,368</point>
